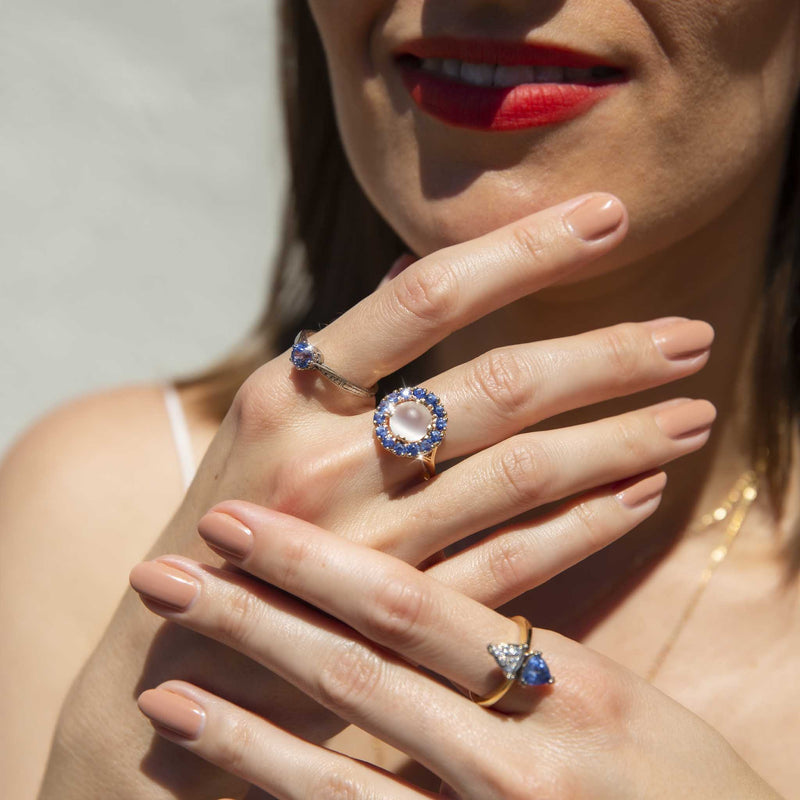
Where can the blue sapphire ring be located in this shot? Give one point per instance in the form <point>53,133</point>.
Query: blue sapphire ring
<point>411,423</point>
<point>305,356</point>
<point>518,663</point>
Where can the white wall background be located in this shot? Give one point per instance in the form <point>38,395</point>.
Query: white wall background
<point>141,176</point>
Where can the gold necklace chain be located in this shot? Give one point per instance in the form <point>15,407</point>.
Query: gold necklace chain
<point>735,507</point>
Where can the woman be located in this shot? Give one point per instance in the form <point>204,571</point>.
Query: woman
<point>573,243</point>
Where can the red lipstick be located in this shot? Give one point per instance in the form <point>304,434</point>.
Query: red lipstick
<point>570,86</point>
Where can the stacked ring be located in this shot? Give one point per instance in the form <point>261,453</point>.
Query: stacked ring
<point>411,423</point>
<point>519,664</point>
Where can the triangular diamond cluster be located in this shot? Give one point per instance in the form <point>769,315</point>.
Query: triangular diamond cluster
<point>509,657</point>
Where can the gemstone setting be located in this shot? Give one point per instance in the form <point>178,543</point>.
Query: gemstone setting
<point>410,422</point>
<point>304,355</point>
<point>518,663</point>
<point>535,671</point>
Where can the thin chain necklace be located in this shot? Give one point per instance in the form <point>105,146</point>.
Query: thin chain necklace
<point>735,508</point>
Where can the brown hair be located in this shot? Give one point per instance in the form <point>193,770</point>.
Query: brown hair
<point>335,246</point>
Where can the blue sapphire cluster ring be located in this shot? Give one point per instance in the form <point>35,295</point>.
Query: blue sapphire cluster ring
<point>518,663</point>
<point>411,423</point>
<point>305,356</point>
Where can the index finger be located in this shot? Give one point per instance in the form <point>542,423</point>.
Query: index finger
<point>456,285</point>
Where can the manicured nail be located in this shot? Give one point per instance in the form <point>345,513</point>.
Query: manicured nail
<point>174,711</point>
<point>164,584</point>
<point>643,490</point>
<point>596,217</point>
<point>686,418</point>
<point>684,339</point>
<point>226,534</point>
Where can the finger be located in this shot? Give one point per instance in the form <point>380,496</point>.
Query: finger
<point>532,469</point>
<point>456,285</point>
<point>520,557</point>
<point>390,603</point>
<point>246,745</point>
<point>355,679</point>
<point>511,388</point>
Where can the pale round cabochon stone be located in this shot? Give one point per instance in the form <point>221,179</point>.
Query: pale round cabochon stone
<point>410,421</point>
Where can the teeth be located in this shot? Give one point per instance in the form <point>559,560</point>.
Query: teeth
<point>578,75</point>
<point>477,74</point>
<point>451,67</point>
<point>513,76</point>
<point>549,74</point>
<point>504,75</point>
<point>432,64</point>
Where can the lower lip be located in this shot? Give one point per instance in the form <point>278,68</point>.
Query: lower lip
<point>528,105</point>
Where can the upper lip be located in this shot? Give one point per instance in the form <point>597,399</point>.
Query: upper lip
<point>500,51</point>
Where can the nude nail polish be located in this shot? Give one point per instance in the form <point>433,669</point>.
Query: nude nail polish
<point>686,418</point>
<point>642,491</point>
<point>174,711</point>
<point>225,533</point>
<point>596,217</point>
<point>164,584</point>
<point>686,339</point>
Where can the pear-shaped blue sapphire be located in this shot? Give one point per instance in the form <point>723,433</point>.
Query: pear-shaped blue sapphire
<point>534,671</point>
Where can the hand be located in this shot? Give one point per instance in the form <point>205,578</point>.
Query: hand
<point>347,624</point>
<point>298,444</point>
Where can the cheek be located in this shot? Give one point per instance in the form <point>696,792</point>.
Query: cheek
<point>705,110</point>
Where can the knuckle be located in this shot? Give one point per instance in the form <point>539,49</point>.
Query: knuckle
<point>429,294</point>
<point>590,520</point>
<point>501,377</point>
<point>338,784</point>
<point>259,403</point>
<point>623,350</point>
<point>632,439</point>
<point>347,678</point>
<point>241,611</point>
<point>301,486</point>
<point>501,782</point>
<point>397,613</point>
<point>296,554</point>
<point>530,242</point>
<point>523,468</point>
<point>598,700</point>
<point>234,745</point>
<point>507,561</point>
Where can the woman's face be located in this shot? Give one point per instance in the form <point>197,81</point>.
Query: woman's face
<point>704,100</point>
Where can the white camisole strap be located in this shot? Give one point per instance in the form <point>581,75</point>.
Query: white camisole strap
<point>180,433</point>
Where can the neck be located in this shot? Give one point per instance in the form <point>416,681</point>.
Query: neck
<point>716,275</point>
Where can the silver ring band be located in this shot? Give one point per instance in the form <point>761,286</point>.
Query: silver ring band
<point>305,356</point>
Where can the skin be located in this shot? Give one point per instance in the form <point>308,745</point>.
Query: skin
<point>682,242</point>
<point>694,67</point>
<point>592,733</point>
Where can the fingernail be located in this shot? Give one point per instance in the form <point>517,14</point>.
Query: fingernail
<point>174,711</point>
<point>164,584</point>
<point>643,490</point>
<point>683,339</point>
<point>596,217</point>
<point>226,534</point>
<point>685,418</point>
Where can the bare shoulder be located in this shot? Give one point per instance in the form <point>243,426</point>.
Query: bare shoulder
<point>84,491</point>
<point>98,456</point>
